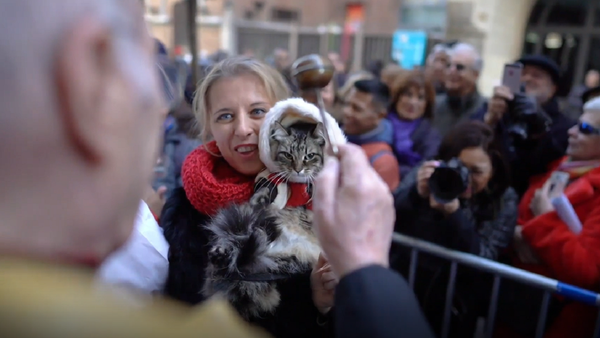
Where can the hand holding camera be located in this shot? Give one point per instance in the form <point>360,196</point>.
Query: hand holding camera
<point>442,183</point>
<point>423,175</point>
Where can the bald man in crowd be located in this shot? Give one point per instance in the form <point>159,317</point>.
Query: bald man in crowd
<point>79,134</point>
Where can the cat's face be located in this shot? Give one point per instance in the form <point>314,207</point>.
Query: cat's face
<point>298,149</point>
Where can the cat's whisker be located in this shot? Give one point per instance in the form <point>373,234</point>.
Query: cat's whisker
<point>266,182</point>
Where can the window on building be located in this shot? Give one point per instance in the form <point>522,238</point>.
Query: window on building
<point>593,60</point>
<point>531,41</point>
<point>563,49</point>
<point>203,8</point>
<point>284,15</point>
<point>571,13</point>
<point>566,31</point>
<point>597,17</point>
<point>156,7</point>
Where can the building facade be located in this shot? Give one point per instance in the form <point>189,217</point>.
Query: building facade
<point>566,30</point>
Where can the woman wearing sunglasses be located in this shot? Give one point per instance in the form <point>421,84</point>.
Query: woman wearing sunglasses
<point>546,243</point>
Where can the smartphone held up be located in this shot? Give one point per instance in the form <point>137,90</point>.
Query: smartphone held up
<point>512,77</point>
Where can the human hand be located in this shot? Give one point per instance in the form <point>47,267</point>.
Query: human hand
<point>447,208</point>
<point>425,171</point>
<point>323,282</point>
<point>155,199</point>
<point>523,250</point>
<point>541,203</point>
<point>498,105</point>
<point>353,212</point>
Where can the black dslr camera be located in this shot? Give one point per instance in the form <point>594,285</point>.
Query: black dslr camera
<point>526,119</point>
<point>449,181</point>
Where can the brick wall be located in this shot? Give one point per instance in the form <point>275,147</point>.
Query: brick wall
<point>381,16</point>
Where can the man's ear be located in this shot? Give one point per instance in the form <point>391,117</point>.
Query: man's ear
<point>279,133</point>
<point>83,68</point>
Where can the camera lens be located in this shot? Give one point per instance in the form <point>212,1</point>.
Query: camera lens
<point>449,181</point>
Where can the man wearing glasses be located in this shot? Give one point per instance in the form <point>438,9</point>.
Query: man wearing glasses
<point>462,99</point>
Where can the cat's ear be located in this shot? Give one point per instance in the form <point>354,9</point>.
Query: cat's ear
<point>279,133</point>
<point>319,133</point>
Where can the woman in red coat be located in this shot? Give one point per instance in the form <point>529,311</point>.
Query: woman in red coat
<point>546,245</point>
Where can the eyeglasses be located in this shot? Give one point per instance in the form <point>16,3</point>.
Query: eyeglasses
<point>459,66</point>
<point>588,129</point>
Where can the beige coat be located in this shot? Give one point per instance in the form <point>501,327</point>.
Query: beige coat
<point>50,301</point>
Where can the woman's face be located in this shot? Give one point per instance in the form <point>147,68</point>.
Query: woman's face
<point>584,138</point>
<point>480,167</point>
<point>411,104</point>
<point>236,110</point>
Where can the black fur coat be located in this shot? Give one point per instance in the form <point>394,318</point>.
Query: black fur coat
<point>296,315</point>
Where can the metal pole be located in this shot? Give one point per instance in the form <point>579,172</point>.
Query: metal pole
<point>192,29</point>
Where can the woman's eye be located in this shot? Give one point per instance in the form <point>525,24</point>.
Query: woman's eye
<point>258,111</point>
<point>224,117</point>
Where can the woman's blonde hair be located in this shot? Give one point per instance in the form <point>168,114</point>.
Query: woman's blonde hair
<point>275,86</point>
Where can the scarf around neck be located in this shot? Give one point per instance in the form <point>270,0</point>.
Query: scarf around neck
<point>210,183</point>
<point>403,144</point>
<point>577,169</point>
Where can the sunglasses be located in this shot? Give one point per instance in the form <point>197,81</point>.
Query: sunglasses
<point>588,129</point>
<point>459,66</point>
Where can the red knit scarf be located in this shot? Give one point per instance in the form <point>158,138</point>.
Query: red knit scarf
<point>210,183</point>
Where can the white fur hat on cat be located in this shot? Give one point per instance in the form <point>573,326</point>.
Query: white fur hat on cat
<point>288,112</point>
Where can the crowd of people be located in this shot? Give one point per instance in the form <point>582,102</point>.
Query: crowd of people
<point>117,162</point>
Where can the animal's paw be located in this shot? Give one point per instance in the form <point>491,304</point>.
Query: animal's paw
<point>220,256</point>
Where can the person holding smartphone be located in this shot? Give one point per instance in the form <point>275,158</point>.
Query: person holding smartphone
<point>530,152</point>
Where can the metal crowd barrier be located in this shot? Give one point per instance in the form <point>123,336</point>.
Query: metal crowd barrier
<point>499,271</point>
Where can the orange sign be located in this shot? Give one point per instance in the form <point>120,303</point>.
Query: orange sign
<point>355,16</point>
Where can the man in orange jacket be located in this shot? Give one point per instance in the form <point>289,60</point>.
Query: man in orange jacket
<point>365,125</point>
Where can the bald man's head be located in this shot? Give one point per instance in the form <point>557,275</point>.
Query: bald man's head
<point>79,128</point>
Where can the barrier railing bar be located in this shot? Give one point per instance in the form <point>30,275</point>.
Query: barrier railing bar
<point>449,298</point>
<point>414,253</point>
<point>541,325</point>
<point>597,329</point>
<point>503,270</point>
<point>491,317</point>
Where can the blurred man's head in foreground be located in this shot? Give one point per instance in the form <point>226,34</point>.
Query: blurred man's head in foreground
<point>82,112</point>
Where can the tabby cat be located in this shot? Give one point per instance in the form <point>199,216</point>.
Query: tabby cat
<point>254,245</point>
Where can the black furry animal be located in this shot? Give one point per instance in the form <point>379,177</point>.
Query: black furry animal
<point>251,247</point>
<point>190,242</point>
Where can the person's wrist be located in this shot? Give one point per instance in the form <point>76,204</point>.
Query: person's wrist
<point>361,259</point>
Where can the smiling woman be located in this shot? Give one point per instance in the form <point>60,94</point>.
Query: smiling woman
<point>231,105</point>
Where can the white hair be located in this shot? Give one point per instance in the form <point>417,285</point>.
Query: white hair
<point>29,48</point>
<point>592,105</point>
<point>462,47</point>
<point>439,48</point>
